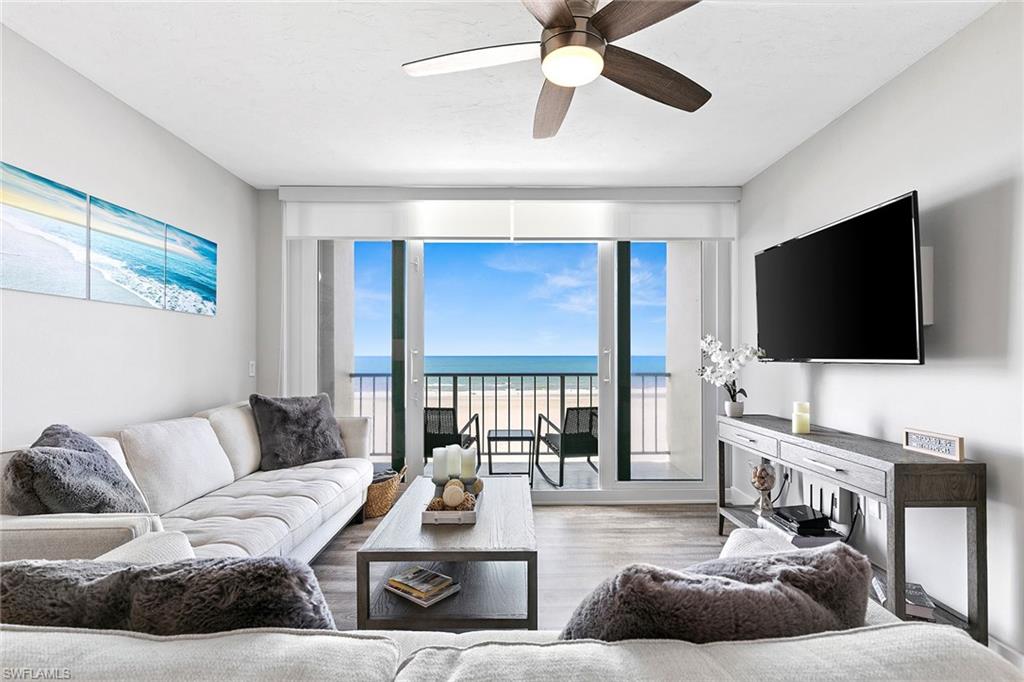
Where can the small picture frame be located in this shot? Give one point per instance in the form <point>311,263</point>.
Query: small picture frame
<point>931,443</point>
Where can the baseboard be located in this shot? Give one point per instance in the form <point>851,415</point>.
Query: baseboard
<point>1016,658</point>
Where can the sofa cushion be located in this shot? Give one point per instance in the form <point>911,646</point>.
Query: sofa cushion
<point>296,430</point>
<point>175,461</point>
<point>236,431</point>
<point>903,651</point>
<point>67,472</point>
<point>269,512</point>
<point>252,655</point>
<point>113,448</point>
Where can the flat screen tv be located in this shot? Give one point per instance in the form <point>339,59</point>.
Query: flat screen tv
<point>846,292</point>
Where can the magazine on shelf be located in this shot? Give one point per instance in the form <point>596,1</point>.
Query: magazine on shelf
<point>446,592</point>
<point>420,582</point>
<point>919,604</point>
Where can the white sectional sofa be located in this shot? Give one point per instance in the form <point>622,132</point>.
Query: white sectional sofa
<point>884,649</point>
<point>200,475</point>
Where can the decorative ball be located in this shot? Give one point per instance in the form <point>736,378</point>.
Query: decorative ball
<point>478,486</point>
<point>467,504</point>
<point>455,482</point>
<point>453,496</point>
<point>436,504</point>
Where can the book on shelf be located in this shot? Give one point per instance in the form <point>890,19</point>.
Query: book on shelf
<point>919,604</point>
<point>420,583</point>
<point>436,597</point>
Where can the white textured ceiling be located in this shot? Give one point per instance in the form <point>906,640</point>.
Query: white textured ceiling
<point>311,93</point>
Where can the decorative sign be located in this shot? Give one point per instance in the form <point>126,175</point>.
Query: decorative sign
<point>938,444</point>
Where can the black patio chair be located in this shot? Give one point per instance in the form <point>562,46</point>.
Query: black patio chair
<point>439,430</point>
<point>576,438</point>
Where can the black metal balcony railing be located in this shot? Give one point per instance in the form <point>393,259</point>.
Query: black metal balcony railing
<point>513,401</point>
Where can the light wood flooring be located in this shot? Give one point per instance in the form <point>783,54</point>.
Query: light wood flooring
<point>578,547</point>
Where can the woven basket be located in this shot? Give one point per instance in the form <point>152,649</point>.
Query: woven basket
<point>381,495</point>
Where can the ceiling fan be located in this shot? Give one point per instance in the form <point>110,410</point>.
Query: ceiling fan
<point>574,49</point>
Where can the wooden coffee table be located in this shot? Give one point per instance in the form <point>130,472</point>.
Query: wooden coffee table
<point>495,560</point>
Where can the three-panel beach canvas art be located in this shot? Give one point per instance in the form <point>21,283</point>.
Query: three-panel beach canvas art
<point>58,240</point>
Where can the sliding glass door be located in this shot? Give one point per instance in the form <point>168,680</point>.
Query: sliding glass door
<point>511,362</point>
<point>659,324</point>
<point>360,309</point>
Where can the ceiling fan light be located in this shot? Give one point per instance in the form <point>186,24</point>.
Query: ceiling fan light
<point>572,65</point>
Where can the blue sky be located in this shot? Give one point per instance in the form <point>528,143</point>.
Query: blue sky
<point>509,298</point>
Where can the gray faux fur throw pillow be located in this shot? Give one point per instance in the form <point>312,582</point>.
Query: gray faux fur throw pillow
<point>780,595</point>
<point>180,597</point>
<point>67,472</point>
<point>295,431</point>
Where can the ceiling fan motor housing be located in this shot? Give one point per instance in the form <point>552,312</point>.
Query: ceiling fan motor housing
<point>582,34</point>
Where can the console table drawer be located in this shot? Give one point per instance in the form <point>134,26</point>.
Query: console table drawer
<point>749,439</point>
<point>839,470</point>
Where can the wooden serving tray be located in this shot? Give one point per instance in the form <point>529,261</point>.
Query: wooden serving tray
<point>443,517</point>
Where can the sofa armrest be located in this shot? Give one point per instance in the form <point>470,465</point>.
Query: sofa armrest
<point>152,548</point>
<point>355,432</point>
<point>70,536</point>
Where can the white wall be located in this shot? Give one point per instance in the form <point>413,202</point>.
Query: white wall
<point>950,127</point>
<point>95,365</point>
<point>269,292</point>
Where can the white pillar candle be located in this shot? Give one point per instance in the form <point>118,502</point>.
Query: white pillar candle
<point>801,422</point>
<point>440,473</point>
<point>454,461</point>
<point>469,463</point>
<point>801,408</point>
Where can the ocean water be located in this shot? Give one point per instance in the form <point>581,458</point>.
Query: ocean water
<point>509,364</point>
<point>136,268</point>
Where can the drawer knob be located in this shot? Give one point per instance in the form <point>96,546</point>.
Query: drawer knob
<point>821,465</point>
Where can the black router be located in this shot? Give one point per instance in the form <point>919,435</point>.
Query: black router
<point>802,519</point>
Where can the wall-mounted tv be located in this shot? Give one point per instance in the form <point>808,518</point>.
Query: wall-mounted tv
<point>846,292</point>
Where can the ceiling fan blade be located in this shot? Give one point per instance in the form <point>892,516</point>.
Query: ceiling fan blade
<point>477,58</point>
<point>551,109</point>
<point>551,13</point>
<point>649,78</point>
<point>623,17</point>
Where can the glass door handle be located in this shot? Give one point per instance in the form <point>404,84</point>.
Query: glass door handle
<point>607,352</point>
<point>412,365</point>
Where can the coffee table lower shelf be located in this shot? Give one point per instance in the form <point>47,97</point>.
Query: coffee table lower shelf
<point>493,596</point>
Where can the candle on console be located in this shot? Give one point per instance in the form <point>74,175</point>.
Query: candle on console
<point>469,463</point>
<point>801,418</point>
<point>440,473</point>
<point>454,461</point>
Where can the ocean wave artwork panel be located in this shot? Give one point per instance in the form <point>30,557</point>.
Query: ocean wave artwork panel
<point>191,273</point>
<point>126,256</point>
<point>43,234</point>
<point>58,240</point>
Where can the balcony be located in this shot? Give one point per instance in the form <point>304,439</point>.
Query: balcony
<point>513,401</point>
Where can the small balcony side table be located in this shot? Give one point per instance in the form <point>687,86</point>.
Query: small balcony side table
<point>510,436</point>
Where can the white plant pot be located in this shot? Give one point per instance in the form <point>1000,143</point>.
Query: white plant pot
<point>733,409</point>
